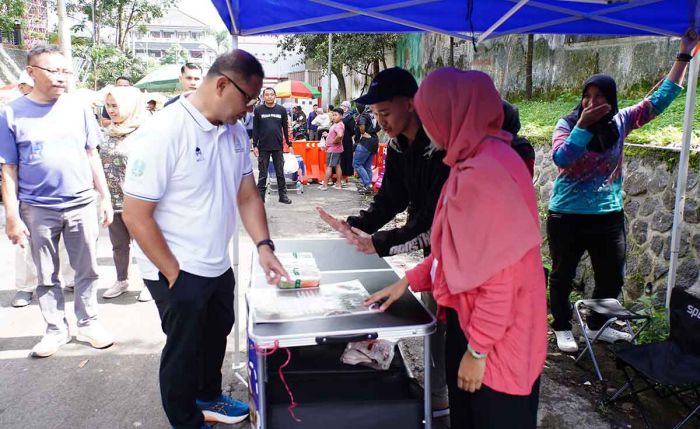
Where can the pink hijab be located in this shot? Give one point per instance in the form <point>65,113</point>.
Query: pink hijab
<point>486,219</point>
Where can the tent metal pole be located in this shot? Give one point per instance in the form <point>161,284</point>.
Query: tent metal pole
<point>388,18</point>
<point>333,17</point>
<point>234,25</point>
<point>330,73</point>
<point>501,20</point>
<point>598,15</point>
<point>682,176</point>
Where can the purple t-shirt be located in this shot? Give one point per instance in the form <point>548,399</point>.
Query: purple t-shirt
<point>48,142</point>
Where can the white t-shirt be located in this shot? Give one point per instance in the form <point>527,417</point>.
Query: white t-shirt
<point>193,170</point>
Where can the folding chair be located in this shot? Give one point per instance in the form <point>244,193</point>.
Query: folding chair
<point>669,368</point>
<point>612,309</point>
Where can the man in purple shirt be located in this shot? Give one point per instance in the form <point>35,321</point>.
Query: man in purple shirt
<point>50,172</point>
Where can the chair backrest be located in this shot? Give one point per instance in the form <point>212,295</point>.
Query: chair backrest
<point>685,320</point>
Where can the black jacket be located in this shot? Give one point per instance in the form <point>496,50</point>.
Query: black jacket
<point>270,127</point>
<point>413,179</point>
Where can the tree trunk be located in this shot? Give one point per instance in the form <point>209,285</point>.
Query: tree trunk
<point>64,31</point>
<point>528,66</point>
<point>375,68</point>
<point>120,36</point>
<point>341,84</point>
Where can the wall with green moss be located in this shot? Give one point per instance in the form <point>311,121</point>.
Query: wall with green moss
<point>560,63</point>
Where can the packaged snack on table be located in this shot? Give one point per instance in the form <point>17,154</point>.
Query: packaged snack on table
<point>302,268</point>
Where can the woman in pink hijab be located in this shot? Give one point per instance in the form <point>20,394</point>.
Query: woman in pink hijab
<point>485,268</point>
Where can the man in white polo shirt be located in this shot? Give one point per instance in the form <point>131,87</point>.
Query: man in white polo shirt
<point>188,176</point>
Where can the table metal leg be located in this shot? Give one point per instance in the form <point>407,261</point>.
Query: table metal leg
<point>427,363</point>
<point>262,396</point>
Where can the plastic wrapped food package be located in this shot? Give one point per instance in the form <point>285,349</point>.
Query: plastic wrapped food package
<point>302,269</point>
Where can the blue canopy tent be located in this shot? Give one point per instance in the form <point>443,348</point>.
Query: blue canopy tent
<point>481,19</point>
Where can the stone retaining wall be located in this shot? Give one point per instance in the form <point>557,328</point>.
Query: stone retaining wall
<point>649,197</point>
<point>560,63</point>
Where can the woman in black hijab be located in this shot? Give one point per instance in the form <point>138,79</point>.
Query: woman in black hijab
<point>586,207</point>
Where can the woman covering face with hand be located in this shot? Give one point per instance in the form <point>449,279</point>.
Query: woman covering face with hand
<point>586,207</point>
<point>485,269</point>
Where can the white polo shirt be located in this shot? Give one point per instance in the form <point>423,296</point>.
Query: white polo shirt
<point>193,170</point>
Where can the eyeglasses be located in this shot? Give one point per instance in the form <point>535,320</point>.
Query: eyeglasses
<point>249,100</point>
<point>64,72</point>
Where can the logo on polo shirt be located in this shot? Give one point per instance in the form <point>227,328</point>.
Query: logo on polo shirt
<point>36,150</point>
<point>136,168</point>
<point>198,154</point>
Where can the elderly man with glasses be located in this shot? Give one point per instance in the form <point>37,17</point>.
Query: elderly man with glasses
<point>188,178</point>
<point>50,172</point>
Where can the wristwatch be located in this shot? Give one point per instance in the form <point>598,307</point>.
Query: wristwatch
<point>266,242</point>
<point>474,353</point>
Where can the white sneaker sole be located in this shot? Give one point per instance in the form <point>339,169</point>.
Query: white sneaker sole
<point>43,355</point>
<point>212,417</point>
<point>113,295</point>
<point>567,349</point>
<point>92,342</point>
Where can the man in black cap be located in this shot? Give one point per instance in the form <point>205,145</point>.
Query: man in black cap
<point>413,178</point>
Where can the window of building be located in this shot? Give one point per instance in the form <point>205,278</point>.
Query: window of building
<point>168,34</point>
<point>155,34</point>
<point>182,36</point>
<point>155,54</point>
<point>195,54</point>
<point>196,36</point>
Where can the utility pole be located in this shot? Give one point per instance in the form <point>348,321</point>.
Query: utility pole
<point>94,45</point>
<point>64,35</point>
<point>64,31</point>
<point>330,73</point>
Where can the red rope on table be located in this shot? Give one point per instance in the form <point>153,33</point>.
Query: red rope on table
<point>261,351</point>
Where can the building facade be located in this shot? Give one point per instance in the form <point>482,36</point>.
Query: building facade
<point>176,28</point>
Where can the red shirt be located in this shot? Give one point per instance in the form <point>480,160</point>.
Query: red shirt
<point>505,317</point>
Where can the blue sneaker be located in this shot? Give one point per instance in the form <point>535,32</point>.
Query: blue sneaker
<point>224,409</point>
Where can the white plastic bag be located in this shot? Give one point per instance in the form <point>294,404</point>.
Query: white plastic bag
<point>291,165</point>
<point>376,354</point>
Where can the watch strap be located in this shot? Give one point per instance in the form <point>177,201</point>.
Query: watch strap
<point>474,353</point>
<point>265,242</point>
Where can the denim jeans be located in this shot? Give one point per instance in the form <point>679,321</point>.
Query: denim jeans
<point>362,163</point>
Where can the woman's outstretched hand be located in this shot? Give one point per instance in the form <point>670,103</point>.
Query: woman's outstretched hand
<point>387,296</point>
<point>689,41</point>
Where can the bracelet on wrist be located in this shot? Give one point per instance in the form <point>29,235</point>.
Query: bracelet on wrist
<point>683,57</point>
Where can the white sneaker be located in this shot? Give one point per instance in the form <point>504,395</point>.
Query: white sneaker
<point>145,295</point>
<point>609,335</point>
<point>49,344</point>
<point>566,341</point>
<point>96,335</point>
<point>118,288</point>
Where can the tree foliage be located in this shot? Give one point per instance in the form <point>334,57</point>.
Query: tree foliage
<point>110,63</point>
<point>175,54</point>
<point>362,54</point>
<point>121,15</point>
<point>223,41</point>
<point>11,10</point>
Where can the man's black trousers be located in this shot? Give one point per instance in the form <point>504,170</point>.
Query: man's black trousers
<point>196,315</point>
<point>278,162</point>
<point>570,235</point>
